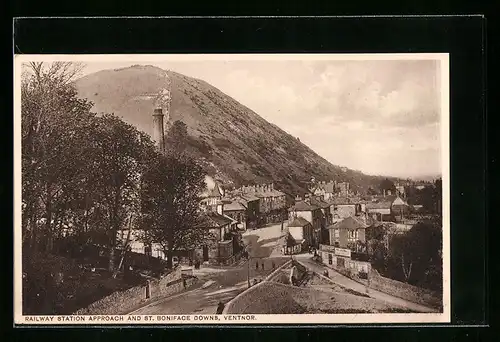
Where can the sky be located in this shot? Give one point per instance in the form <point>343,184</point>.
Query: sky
<point>381,117</point>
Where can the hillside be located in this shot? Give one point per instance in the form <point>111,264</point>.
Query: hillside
<point>236,144</point>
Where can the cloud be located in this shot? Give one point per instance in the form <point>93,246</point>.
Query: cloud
<point>376,116</point>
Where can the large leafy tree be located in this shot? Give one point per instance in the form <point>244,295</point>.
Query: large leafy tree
<point>80,172</point>
<point>418,253</point>
<point>176,138</point>
<point>53,122</point>
<point>121,154</point>
<point>170,197</point>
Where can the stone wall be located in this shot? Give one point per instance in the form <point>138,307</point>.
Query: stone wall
<point>282,273</point>
<point>405,291</point>
<point>122,302</point>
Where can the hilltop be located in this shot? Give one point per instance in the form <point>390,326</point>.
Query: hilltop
<point>236,145</point>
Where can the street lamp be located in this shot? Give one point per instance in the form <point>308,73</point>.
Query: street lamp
<point>248,249</point>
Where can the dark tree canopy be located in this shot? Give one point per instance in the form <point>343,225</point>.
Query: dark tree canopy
<point>177,137</point>
<point>170,194</point>
<point>386,185</point>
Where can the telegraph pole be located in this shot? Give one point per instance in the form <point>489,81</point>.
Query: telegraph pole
<point>248,249</point>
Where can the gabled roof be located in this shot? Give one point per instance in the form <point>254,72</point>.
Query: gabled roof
<point>290,241</point>
<point>232,221</point>
<point>277,193</point>
<point>327,187</point>
<point>248,197</point>
<point>303,206</point>
<point>343,201</point>
<point>348,223</point>
<point>234,206</point>
<point>215,220</point>
<point>399,201</point>
<point>299,222</point>
<point>216,191</point>
<point>379,205</point>
<point>319,203</point>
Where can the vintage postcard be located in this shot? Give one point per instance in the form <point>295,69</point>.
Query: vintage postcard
<point>231,189</point>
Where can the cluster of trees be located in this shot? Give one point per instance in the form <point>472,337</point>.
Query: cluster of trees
<point>414,257</point>
<point>430,197</point>
<point>85,176</point>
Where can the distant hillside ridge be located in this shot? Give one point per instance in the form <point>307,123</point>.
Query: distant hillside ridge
<point>235,144</point>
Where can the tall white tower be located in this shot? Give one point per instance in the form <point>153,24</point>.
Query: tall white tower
<point>161,114</point>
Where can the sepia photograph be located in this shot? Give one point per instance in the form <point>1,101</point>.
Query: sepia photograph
<point>231,189</point>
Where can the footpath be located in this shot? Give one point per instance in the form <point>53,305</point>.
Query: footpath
<point>346,282</point>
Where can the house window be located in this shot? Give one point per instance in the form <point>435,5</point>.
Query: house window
<point>147,250</point>
<point>337,233</point>
<point>353,235</point>
<point>330,259</point>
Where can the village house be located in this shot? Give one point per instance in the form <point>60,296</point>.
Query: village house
<point>312,213</point>
<point>251,203</point>
<point>224,247</point>
<point>272,203</point>
<point>380,208</point>
<point>237,211</point>
<point>348,233</point>
<point>400,190</point>
<point>327,217</point>
<point>220,249</point>
<point>299,237</point>
<point>389,208</point>
<point>342,207</point>
<point>347,248</point>
<point>400,208</point>
<point>211,198</point>
<point>343,189</point>
<point>324,189</point>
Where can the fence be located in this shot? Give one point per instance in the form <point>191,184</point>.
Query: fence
<point>122,302</point>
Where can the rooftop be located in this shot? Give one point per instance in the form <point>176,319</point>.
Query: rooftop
<point>344,200</point>
<point>216,191</point>
<point>379,205</point>
<point>348,223</point>
<point>234,206</point>
<point>327,187</point>
<point>299,222</point>
<point>249,197</point>
<point>303,206</point>
<point>319,202</point>
<point>215,220</point>
<point>289,241</point>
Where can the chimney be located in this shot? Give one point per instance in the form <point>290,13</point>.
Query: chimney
<point>384,192</point>
<point>158,130</point>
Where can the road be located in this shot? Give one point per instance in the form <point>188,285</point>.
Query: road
<point>351,284</point>
<point>225,283</point>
